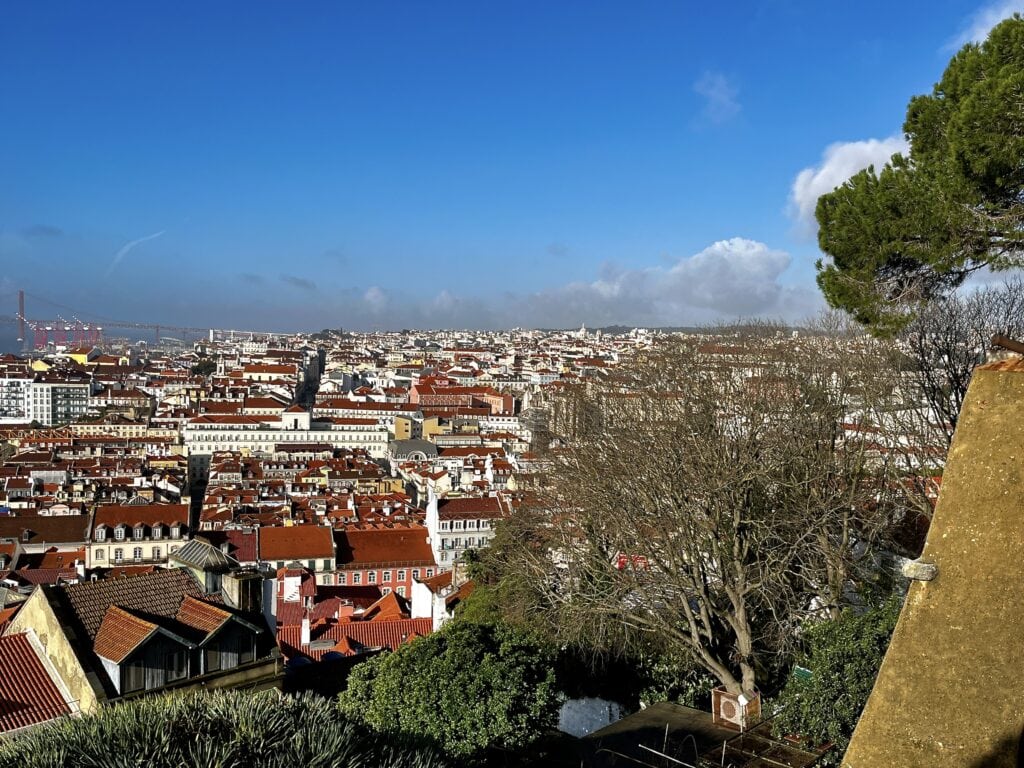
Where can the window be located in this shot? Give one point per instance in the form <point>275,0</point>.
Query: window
<point>415,573</point>
<point>357,578</point>
<point>371,577</point>
<point>176,664</point>
<point>213,658</point>
<point>137,553</point>
<point>98,554</point>
<point>444,557</point>
<point>158,531</point>
<point>175,532</point>
<point>246,650</point>
<point>387,576</point>
<point>327,565</point>
<point>444,525</point>
<point>385,590</point>
<point>430,572</point>
<point>118,555</point>
<point>401,591</point>
<point>119,533</point>
<point>157,553</point>
<point>140,532</point>
<point>401,576</point>
<point>134,677</point>
<point>341,579</point>
<point>101,533</point>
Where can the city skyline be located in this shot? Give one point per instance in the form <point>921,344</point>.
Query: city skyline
<point>445,166</point>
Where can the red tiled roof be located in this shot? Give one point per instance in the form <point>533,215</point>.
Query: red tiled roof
<point>361,547</point>
<point>199,615</point>
<point>296,542</point>
<point>146,514</point>
<point>439,582</point>
<point>158,593</point>
<point>486,507</point>
<point>28,695</point>
<point>120,633</point>
<point>369,634</point>
<point>6,615</point>
<point>241,544</point>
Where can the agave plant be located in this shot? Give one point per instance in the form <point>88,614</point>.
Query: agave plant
<point>213,730</point>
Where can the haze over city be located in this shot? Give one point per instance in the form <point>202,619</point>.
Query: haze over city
<point>536,165</point>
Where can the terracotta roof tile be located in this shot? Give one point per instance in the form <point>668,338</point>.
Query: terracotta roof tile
<point>368,634</point>
<point>28,695</point>
<point>120,633</point>
<point>159,593</point>
<point>201,616</point>
<point>363,547</point>
<point>297,542</point>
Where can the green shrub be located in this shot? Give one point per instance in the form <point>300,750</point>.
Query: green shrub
<point>469,688</point>
<point>843,657</point>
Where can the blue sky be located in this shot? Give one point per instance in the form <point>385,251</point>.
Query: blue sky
<point>304,165</point>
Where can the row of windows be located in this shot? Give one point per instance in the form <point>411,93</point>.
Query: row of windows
<point>117,555</point>
<point>457,542</point>
<point>139,532</point>
<point>356,578</point>
<point>469,525</point>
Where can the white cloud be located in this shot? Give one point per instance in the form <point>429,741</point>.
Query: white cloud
<point>719,95</point>
<point>981,23</point>
<point>727,280</point>
<point>839,162</point>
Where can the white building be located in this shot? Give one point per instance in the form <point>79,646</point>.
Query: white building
<point>455,525</point>
<point>56,401</point>
<point>262,434</point>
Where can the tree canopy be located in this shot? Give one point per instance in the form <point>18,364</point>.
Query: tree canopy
<point>468,688</point>
<point>915,230</point>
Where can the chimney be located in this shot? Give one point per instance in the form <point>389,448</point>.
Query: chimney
<point>304,641</point>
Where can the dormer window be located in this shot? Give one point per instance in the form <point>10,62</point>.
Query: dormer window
<point>101,533</point>
<point>140,532</point>
<point>175,532</point>
<point>158,531</point>
<point>119,533</point>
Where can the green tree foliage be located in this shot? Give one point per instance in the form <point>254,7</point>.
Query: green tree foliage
<point>843,656</point>
<point>469,688</point>
<point>204,367</point>
<point>916,229</point>
<point>223,729</point>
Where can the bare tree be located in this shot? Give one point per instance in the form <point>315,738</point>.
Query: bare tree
<point>946,341</point>
<point>717,496</point>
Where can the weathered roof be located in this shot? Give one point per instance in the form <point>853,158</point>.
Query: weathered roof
<point>28,695</point>
<point>159,593</point>
<point>204,617</point>
<point>120,633</point>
